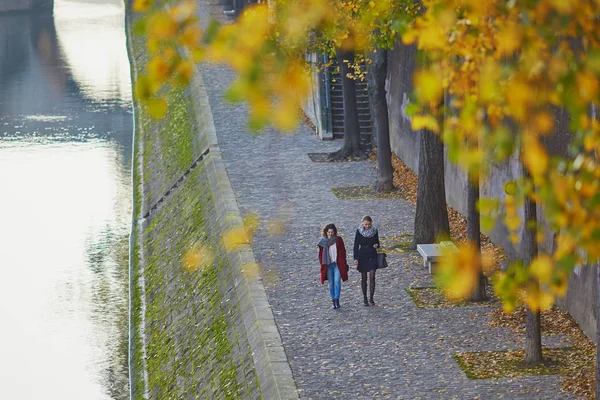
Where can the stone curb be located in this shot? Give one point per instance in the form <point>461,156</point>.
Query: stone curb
<point>270,361</point>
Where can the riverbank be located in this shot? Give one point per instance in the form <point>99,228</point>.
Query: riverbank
<point>206,331</point>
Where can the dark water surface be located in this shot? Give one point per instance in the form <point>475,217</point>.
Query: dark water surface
<point>65,202</point>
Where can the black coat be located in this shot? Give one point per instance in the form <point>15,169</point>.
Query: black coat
<point>364,251</point>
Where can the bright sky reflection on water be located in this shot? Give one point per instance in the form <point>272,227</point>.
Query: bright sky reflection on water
<point>65,209</point>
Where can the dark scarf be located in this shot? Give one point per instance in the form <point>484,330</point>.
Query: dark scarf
<point>367,232</point>
<point>325,243</point>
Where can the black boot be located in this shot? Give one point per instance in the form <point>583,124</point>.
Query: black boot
<point>334,304</point>
<point>337,303</point>
<point>366,302</point>
<point>372,290</point>
<point>363,285</point>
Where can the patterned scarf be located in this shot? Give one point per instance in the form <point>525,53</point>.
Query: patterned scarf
<point>367,232</point>
<point>325,243</point>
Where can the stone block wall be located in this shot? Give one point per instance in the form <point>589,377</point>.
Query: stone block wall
<point>205,331</point>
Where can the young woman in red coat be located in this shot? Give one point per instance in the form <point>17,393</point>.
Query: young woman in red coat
<point>332,257</point>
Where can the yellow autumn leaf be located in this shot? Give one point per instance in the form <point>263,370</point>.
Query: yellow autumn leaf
<point>559,285</point>
<point>157,107</point>
<point>588,85</point>
<point>236,238</point>
<point>183,11</point>
<point>565,245</point>
<point>141,5</point>
<point>514,238</point>
<point>409,37</point>
<point>509,39</point>
<point>428,86</point>
<point>197,256</point>
<point>512,222</point>
<point>286,116</point>
<point>191,36</point>
<point>520,96</point>
<point>535,156</point>
<point>158,69</point>
<point>184,72</point>
<point>541,268</point>
<point>458,272</point>
<point>161,26</point>
<point>251,222</point>
<point>546,300</point>
<point>543,122</point>
<point>419,122</point>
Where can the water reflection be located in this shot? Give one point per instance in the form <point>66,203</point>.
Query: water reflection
<point>65,146</point>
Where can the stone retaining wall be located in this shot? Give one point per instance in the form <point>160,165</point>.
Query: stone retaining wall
<point>208,332</point>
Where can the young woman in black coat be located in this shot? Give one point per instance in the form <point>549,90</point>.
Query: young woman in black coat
<point>366,243</point>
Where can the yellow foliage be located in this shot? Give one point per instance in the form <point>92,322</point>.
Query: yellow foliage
<point>559,284</point>
<point>141,5</point>
<point>543,122</point>
<point>286,115</point>
<point>158,68</point>
<point>419,122</point>
<point>236,238</point>
<point>538,300</point>
<point>157,108</point>
<point>162,26</point>
<point>542,268</point>
<point>509,39</point>
<point>565,245</point>
<point>191,36</point>
<point>459,271</point>
<point>428,86</point>
<point>588,85</point>
<point>184,72</point>
<point>534,156</point>
<point>198,256</point>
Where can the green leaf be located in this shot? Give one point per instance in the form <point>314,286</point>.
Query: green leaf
<point>411,109</point>
<point>139,28</point>
<point>211,31</point>
<point>510,188</point>
<point>488,205</point>
<point>487,223</point>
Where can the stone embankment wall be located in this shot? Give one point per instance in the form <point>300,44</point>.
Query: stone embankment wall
<point>209,332</point>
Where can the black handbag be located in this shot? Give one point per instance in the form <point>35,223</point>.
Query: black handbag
<point>381,260</point>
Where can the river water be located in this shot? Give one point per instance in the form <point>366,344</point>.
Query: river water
<point>65,202</point>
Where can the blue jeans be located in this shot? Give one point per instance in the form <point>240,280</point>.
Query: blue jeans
<point>335,282</point>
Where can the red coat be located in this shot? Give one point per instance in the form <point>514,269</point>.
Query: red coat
<point>340,261</point>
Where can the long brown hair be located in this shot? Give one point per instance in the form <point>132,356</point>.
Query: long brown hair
<point>328,227</point>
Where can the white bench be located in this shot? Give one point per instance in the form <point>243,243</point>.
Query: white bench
<point>432,253</point>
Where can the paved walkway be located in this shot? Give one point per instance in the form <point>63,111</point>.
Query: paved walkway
<point>394,350</point>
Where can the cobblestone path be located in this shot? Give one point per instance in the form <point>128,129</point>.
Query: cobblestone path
<point>393,350</point>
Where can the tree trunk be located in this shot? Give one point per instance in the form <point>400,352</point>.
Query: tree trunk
<point>351,147</point>
<point>431,218</point>
<point>533,334</point>
<point>379,115</point>
<point>474,234</point>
